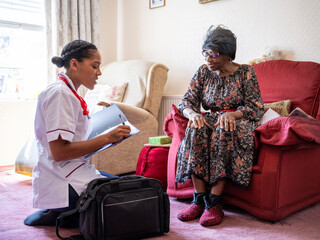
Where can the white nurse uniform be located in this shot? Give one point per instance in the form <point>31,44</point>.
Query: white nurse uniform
<point>59,113</point>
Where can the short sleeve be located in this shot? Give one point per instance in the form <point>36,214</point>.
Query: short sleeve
<point>60,112</point>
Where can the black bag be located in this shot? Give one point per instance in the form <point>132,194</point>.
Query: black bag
<point>129,207</point>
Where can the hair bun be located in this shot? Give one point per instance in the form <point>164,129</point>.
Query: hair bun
<point>57,61</point>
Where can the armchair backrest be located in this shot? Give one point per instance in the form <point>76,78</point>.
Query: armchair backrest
<point>145,80</point>
<point>294,80</point>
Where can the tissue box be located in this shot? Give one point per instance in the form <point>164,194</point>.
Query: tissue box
<point>160,140</point>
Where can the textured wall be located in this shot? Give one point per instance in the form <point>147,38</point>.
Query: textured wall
<point>173,34</point>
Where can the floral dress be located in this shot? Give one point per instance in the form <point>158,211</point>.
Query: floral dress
<point>211,153</point>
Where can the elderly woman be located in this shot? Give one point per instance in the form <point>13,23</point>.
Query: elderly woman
<point>218,143</point>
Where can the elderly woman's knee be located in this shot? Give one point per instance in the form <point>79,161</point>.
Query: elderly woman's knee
<point>199,132</point>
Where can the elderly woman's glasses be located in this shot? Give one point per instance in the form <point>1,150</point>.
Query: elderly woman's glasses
<point>210,53</point>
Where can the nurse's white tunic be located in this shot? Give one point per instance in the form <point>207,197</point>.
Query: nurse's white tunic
<point>59,113</point>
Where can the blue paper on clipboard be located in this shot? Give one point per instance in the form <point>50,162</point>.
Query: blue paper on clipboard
<point>106,120</point>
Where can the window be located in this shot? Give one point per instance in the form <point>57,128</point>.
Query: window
<point>22,49</point>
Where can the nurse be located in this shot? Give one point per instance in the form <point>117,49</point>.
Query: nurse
<point>62,127</point>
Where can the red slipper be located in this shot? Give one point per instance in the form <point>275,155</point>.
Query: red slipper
<point>212,216</point>
<point>190,213</point>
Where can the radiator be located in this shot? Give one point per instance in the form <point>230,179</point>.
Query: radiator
<point>165,108</point>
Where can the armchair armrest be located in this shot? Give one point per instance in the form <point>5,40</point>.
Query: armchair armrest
<point>288,131</point>
<point>123,157</point>
<point>134,114</point>
<point>285,134</point>
<point>175,124</point>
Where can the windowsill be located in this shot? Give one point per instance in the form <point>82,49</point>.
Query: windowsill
<point>18,100</point>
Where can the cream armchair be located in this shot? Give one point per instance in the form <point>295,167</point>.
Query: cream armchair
<point>140,104</point>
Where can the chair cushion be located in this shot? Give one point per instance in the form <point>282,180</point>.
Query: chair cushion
<point>134,72</point>
<point>106,93</point>
<point>282,107</point>
<point>294,80</point>
<point>288,131</point>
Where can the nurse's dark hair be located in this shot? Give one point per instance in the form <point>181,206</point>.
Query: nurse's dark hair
<point>221,40</point>
<point>77,49</point>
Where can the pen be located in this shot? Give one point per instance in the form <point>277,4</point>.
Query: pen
<point>121,119</point>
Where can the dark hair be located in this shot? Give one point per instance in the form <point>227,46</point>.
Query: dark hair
<point>221,40</point>
<point>77,49</point>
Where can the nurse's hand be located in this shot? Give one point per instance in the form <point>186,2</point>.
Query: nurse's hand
<point>104,104</point>
<point>119,133</point>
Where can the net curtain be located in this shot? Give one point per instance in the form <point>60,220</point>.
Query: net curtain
<point>67,20</point>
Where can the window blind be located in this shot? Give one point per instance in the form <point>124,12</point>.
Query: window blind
<point>22,14</point>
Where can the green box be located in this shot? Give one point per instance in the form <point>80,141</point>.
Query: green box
<point>160,140</point>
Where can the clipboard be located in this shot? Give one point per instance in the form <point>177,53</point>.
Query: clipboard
<point>106,120</point>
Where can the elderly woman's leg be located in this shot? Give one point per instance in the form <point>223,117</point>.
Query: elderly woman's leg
<point>213,214</point>
<point>199,185</point>
<point>193,156</point>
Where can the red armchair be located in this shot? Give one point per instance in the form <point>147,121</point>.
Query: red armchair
<point>286,175</point>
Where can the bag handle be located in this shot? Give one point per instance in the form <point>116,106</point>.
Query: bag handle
<point>63,215</point>
<point>98,181</point>
<point>82,203</point>
<point>115,184</point>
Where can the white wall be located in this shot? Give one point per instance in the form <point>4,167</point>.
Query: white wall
<point>108,29</point>
<point>173,34</point>
<point>16,126</point>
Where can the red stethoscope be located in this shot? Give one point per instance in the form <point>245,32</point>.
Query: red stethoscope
<point>82,101</point>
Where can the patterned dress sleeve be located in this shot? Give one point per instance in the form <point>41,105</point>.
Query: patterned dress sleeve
<point>253,105</point>
<point>192,98</point>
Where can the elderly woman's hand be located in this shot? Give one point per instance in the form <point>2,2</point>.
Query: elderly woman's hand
<point>196,120</point>
<point>227,120</point>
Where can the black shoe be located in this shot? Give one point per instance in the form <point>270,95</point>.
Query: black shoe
<point>43,217</point>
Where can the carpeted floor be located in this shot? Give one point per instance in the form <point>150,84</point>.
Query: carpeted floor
<point>16,204</point>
